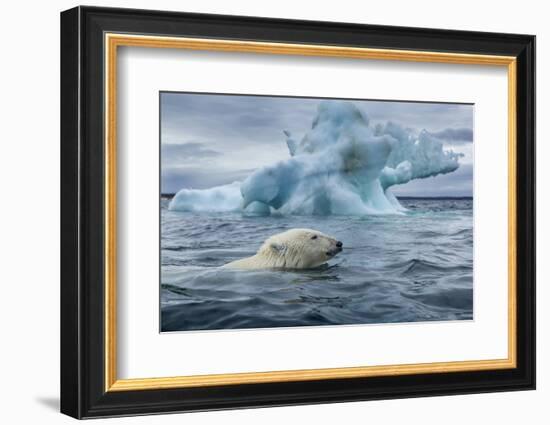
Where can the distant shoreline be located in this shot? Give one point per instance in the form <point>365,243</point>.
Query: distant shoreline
<point>401,198</point>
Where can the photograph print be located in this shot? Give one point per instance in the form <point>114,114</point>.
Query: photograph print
<point>293,211</point>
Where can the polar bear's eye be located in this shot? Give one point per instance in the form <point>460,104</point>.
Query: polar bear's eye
<point>314,237</point>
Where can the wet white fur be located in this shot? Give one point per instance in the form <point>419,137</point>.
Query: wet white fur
<point>293,249</point>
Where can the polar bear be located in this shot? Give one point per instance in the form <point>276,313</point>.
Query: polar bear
<point>293,249</point>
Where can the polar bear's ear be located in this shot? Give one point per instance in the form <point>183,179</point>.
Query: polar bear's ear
<point>279,248</point>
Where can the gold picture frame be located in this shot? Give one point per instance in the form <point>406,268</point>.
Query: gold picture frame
<point>114,41</point>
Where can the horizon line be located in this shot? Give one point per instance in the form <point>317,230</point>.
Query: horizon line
<point>171,195</point>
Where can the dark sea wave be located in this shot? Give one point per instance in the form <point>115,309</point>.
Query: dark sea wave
<point>394,268</point>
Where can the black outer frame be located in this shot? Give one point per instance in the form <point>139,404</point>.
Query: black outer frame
<point>82,217</point>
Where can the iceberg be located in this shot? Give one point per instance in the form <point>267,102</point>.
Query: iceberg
<point>342,165</point>
<point>217,199</point>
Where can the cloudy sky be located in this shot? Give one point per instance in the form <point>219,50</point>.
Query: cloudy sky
<point>209,140</point>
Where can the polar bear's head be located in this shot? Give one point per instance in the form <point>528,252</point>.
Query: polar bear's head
<point>300,249</point>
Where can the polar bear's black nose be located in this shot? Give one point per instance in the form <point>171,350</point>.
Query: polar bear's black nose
<point>339,244</point>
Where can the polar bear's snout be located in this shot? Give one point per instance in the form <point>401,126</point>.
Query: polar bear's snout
<point>338,247</point>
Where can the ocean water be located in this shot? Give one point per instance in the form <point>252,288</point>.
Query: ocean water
<point>394,268</point>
